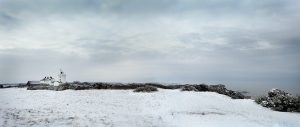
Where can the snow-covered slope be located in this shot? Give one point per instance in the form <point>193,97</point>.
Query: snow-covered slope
<point>124,108</point>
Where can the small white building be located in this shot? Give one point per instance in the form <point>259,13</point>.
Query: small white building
<point>50,80</point>
<point>47,80</point>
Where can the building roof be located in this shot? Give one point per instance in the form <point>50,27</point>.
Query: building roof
<point>47,79</point>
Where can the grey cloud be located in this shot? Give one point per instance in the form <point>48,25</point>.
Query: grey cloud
<point>155,7</point>
<point>113,51</point>
<point>49,7</point>
<point>7,21</point>
<point>227,41</point>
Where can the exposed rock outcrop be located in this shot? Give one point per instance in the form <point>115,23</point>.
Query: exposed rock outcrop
<point>279,100</point>
<point>62,87</point>
<point>146,89</point>
<point>221,89</point>
<point>40,87</point>
<point>201,87</point>
<point>49,87</point>
<point>189,88</point>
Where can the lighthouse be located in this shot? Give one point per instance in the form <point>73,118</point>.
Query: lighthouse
<point>62,77</point>
<point>49,80</point>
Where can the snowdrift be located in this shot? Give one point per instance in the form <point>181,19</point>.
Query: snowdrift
<point>125,108</point>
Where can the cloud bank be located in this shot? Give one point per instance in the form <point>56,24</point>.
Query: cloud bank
<point>244,43</point>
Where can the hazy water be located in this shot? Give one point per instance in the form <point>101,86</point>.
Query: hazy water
<point>257,90</point>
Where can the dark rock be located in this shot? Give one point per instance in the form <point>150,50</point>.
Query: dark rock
<point>86,83</point>
<point>120,86</point>
<point>217,88</point>
<point>97,86</point>
<point>1,86</point>
<point>157,85</point>
<point>188,88</point>
<point>279,100</point>
<point>201,87</point>
<point>126,86</point>
<point>276,92</point>
<point>62,87</point>
<point>40,87</point>
<point>146,89</point>
<point>221,89</point>
<point>260,99</point>
<point>22,85</point>
<point>79,87</point>
<point>174,86</point>
<point>102,85</point>
<point>236,95</point>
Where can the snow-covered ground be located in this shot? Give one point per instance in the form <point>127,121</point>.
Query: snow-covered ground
<point>124,108</point>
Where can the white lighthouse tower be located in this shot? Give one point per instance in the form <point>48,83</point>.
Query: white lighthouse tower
<point>62,77</point>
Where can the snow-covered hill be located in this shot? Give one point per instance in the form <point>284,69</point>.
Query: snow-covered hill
<point>124,108</point>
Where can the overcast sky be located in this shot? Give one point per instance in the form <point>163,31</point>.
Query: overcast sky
<point>244,42</point>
